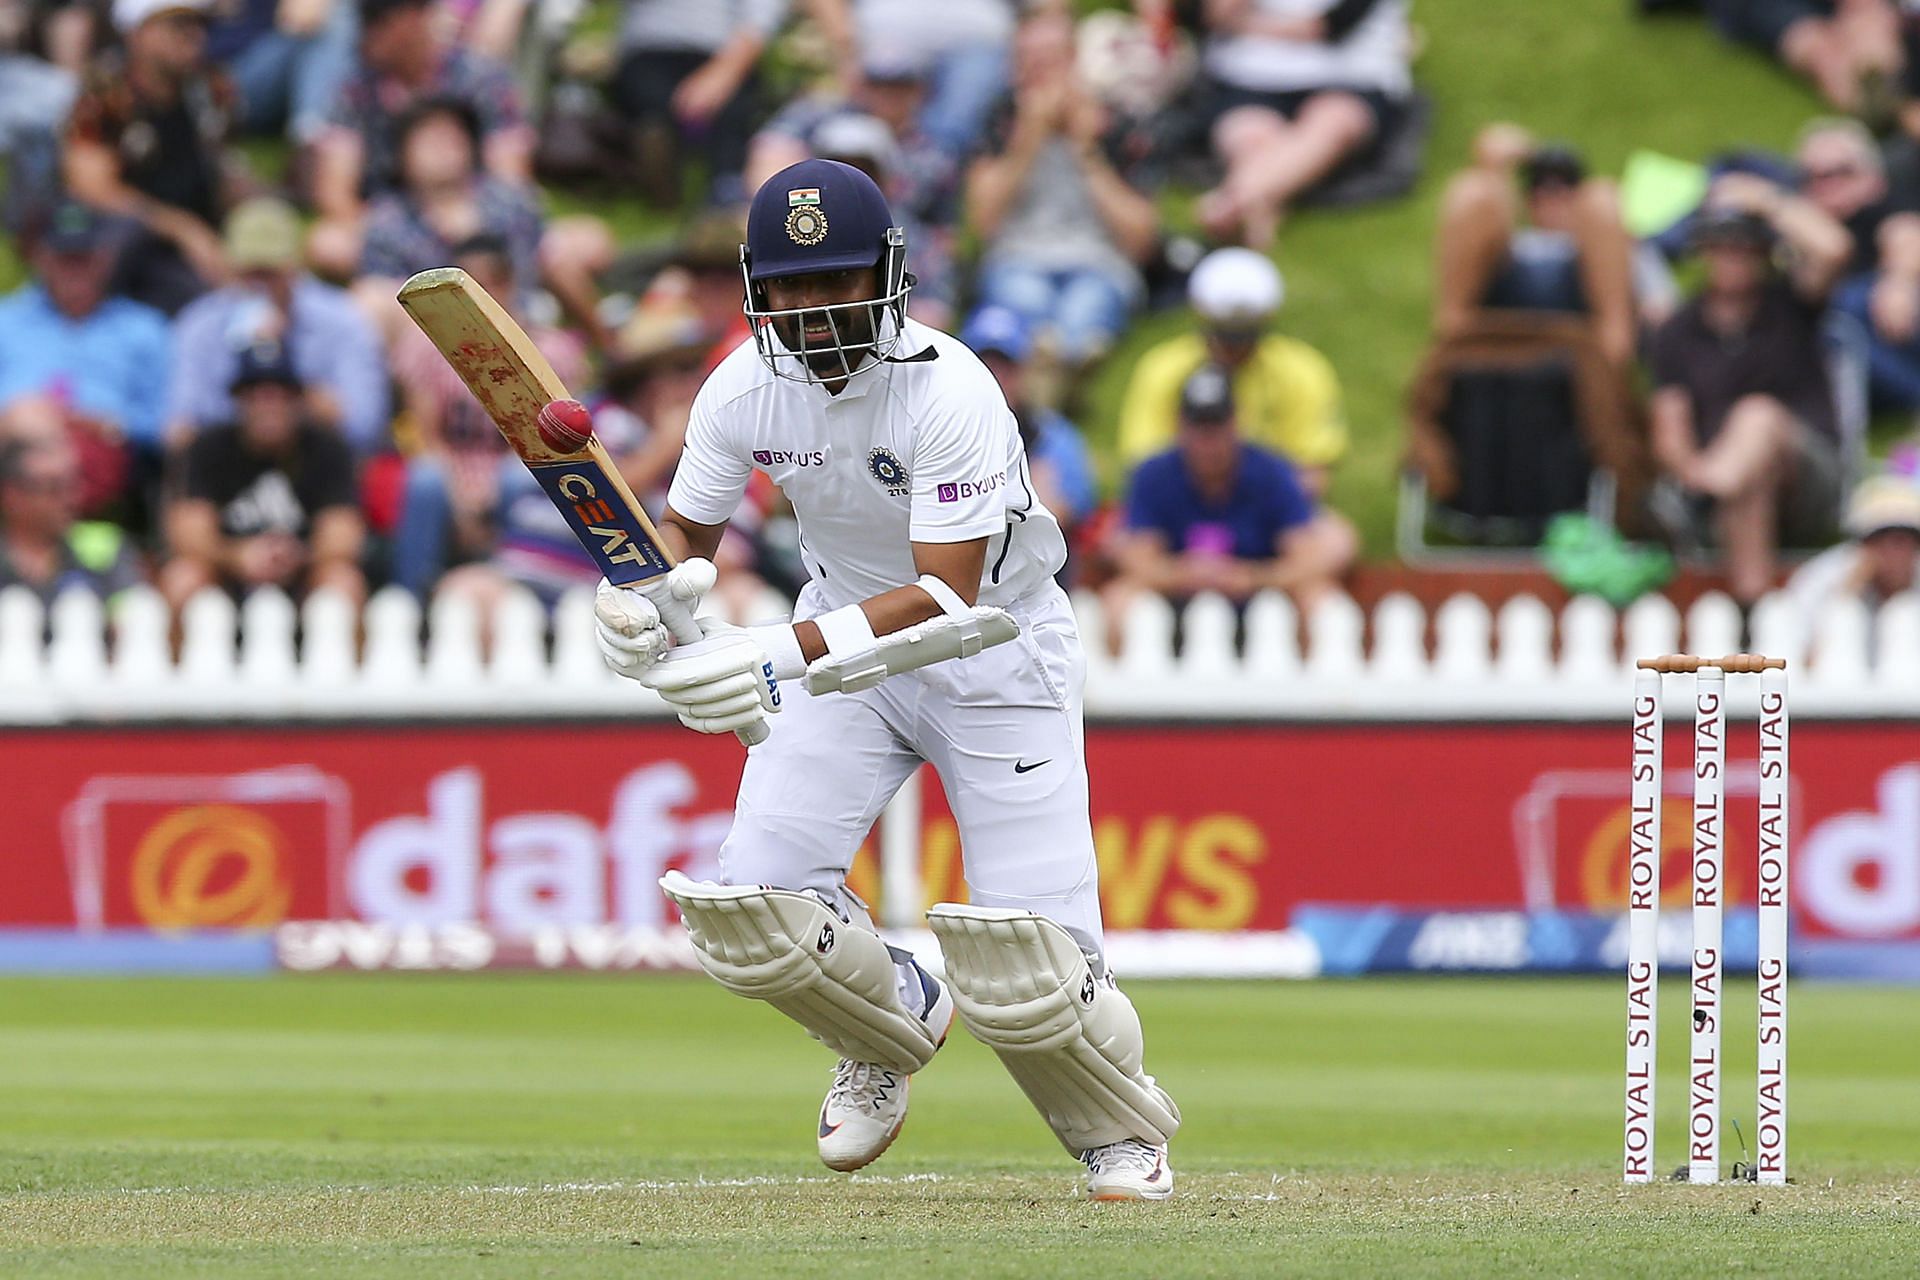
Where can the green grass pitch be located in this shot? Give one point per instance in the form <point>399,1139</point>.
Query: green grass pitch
<point>414,1126</point>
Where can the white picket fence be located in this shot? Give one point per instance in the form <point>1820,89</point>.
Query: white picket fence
<point>266,659</point>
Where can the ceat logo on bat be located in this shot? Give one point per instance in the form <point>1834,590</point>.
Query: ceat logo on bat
<point>602,522</point>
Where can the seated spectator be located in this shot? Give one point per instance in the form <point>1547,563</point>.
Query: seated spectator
<point>1286,395</point>
<point>268,500</point>
<point>446,197</point>
<point>1057,456</point>
<point>456,458</point>
<point>964,53</point>
<point>1849,50</point>
<point>1290,91</point>
<point>405,58</point>
<point>1879,560</point>
<point>147,140</point>
<point>332,346</point>
<point>76,361</point>
<point>1218,513</point>
<point>1743,418</point>
<point>1571,253</point>
<point>892,88</point>
<point>44,546</point>
<point>289,60</point>
<point>689,83</point>
<point>35,97</point>
<point>1843,173</point>
<point>1063,232</point>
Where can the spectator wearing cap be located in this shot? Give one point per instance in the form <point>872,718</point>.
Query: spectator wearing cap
<point>1290,90</point>
<point>1063,230</point>
<point>333,347</point>
<point>1879,560</point>
<point>147,140</point>
<point>267,500</point>
<point>688,81</point>
<point>962,56</point>
<point>1286,393</point>
<point>1560,245</point>
<point>406,57</point>
<point>880,134</point>
<point>1744,427</point>
<point>1057,456</point>
<point>77,361</point>
<point>1842,171</point>
<point>44,546</point>
<point>288,59</point>
<point>1219,513</point>
<point>445,197</point>
<point>456,460</point>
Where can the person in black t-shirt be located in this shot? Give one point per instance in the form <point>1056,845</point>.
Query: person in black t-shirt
<point>1743,416</point>
<point>267,500</point>
<point>147,140</point>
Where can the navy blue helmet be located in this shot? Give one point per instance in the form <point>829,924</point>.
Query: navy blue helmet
<point>821,216</point>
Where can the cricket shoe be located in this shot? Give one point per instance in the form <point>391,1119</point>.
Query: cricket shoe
<point>1128,1170</point>
<point>867,1103</point>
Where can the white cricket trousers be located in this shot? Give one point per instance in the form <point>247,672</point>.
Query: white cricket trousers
<point>1003,731</point>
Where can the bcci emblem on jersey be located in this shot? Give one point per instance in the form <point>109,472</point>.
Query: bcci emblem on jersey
<point>806,221</point>
<point>889,471</point>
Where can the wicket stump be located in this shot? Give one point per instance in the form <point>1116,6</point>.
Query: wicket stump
<point>1707,880</point>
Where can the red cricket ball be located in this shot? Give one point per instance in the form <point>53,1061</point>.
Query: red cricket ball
<point>565,426</point>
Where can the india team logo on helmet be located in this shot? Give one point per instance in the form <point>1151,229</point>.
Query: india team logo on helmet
<point>806,222</point>
<point>821,217</point>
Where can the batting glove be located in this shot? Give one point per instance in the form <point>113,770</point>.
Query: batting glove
<point>626,622</point>
<point>721,684</point>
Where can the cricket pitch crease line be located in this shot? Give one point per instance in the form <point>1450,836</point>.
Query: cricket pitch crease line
<point>550,1188</point>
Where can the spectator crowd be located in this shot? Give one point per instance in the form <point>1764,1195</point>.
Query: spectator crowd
<point>205,381</point>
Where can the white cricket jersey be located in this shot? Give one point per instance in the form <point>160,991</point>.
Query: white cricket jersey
<point>919,448</point>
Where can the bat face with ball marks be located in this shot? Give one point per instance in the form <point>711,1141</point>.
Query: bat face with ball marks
<point>513,382</point>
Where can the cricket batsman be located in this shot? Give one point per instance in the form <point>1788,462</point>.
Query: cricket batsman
<point>932,630</point>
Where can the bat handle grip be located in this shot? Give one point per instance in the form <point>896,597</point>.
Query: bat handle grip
<point>680,623</point>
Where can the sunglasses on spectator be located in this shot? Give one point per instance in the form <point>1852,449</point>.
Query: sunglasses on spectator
<point>1832,172</point>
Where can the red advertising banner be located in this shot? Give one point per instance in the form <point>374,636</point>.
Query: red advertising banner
<point>526,826</point>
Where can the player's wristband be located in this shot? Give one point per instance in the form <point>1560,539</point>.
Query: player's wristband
<point>782,647</point>
<point>846,630</point>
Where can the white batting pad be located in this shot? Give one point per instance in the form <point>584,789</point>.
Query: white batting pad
<point>938,639</point>
<point>1071,1041</point>
<point>836,979</point>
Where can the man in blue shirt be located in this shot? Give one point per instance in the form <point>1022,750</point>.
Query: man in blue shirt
<point>1217,513</point>
<point>335,350</point>
<point>73,357</point>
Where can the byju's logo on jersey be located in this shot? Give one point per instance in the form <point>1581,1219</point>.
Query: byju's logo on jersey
<point>971,488</point>
<point>789,458</point>
<point>890,472</point>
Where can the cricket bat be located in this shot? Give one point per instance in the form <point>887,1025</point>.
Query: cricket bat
<point>513,382</point>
